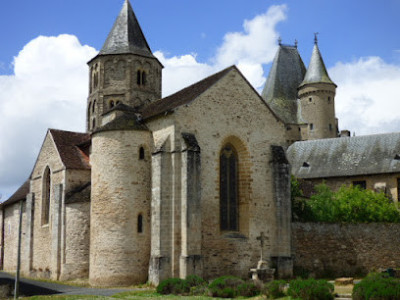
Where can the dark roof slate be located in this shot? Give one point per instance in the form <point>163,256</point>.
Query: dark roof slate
<point>126,36</point>
<point>346,156</point>
<point>280,90</point>
<point>72,147</point>
<point>79,194</point>
<point>316,71</point>
<point>19,195</point>
<point>184,96</point>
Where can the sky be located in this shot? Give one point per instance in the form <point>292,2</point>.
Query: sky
<point>45,44</point>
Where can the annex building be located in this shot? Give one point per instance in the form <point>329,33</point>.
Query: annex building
<point>168,187</point>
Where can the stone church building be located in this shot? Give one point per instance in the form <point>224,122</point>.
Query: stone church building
<point>168,187</point>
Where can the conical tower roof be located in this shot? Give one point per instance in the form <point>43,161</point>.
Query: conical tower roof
<point>280,90</point>
<point>126,36</point>
<point>316,71</point>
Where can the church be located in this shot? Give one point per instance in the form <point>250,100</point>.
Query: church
<point>169,187</point>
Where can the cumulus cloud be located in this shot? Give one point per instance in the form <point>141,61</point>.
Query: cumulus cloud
<point>367,96</point>
<point>48,90</point>
<point>249,50</point>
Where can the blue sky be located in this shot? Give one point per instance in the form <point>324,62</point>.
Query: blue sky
<point>46,44</point>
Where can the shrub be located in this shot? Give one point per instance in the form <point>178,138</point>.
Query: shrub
<point>377,286</point>
<point>173,286</point>
<point>247,289</point>
<point>194,280</point>
<point>225,286</point>
<point>275,289</point>
<point>311,289</point>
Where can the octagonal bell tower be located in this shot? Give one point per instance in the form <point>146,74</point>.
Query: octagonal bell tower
<point>125,70</point>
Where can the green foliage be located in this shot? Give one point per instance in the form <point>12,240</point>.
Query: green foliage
<point>175,286</point>
<point>225,286</point>
<point>311,289</point>
<point>377,286</point>
<point>194,280</point>
<point>247,289</point>
<point>275,289</point>
<point>350,204</point>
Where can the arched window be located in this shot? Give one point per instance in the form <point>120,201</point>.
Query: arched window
<point>93,123</point>
<point>143,78</point>
<point>229,204</point>
<point>46,193</point>
<point>111,104</point>
<point>141,153</point>
<point>140,223</point>
<point>94,106</point>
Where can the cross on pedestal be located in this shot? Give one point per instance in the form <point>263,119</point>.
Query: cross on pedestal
<point>262,238</point>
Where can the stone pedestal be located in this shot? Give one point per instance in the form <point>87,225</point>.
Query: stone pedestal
<point>262,273</point>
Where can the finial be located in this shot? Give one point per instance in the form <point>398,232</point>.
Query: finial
<point>280,41</point>
<point>295,43</point>
<point>316,38</point>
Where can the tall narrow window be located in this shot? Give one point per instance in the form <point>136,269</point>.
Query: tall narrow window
<point>139,77</point>
<point>143,78</point>
<point>229,212</point>
<point>140,223</point>
<point>46,192</point>
<point>141,153</point>
<point>94,106</point>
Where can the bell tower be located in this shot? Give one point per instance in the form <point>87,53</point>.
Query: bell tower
<point>317,100</point>
<point>125,71</point>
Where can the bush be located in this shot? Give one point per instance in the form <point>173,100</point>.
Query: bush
<point>194,280</point>
<point>275,289</point>
<point>247,289</point>
<point>350,204</point>
<point>174,286</point>
<point>377,286</point>
<point>311,289</point>
<point>225,286</point>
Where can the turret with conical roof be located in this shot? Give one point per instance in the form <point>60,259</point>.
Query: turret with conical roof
<point>125,70</point>
<point>317,99</point>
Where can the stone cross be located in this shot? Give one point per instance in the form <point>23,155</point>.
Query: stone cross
<point>262,238</point>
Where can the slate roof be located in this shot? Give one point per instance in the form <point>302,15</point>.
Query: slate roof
<point>19,195</point>
<point>79,194</point>
<point>126,36</point>
<point>316,71</point>
<point>280,90</point>
<point>184,96</point>
<point>72,147</point>
<point>346,156</point>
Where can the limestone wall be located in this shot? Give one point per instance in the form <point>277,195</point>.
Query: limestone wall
<point>120,192</point>
<point>11,226</point>
<point>75,262</point>
<point>345,249</point>
<point>229,112</point>
<point>41,244</point>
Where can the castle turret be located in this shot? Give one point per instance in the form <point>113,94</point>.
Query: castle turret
<point>317,98</point>
<point>125,70</point>
<point>128,76</point>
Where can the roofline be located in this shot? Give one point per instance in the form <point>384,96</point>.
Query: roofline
<point>340,176</point>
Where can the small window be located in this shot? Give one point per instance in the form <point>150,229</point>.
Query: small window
<point>112,104</point>
<point>311,126</point>
<point>310,99</point>
<point>329,99</point>
<point>361,183</point>
<point>141,153</point>
<point>93,123</point>
<point>140,223</point>
<point>138,77</point>
<point>143,78</point>
<point>306,164</point>
<point>94,106</point>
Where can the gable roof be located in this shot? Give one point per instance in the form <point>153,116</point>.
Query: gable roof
<point>316,71</point>
<point>285,76</point>
<point>346,156</point>
<point>19,195</point>
<point>126,35</point>
<point>184,96</point>
<point>71,148</point>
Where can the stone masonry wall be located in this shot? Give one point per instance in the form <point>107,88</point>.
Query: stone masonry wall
<point>11,225</point>
<point>345,249</point>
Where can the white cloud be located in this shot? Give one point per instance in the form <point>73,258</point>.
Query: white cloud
<point>249,50</point>
<point>367,96</point>
<point>48,90</point>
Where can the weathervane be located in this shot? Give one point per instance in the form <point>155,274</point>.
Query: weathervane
<point>280,41</point>
<point>295,43</point>
<point>316,37</point>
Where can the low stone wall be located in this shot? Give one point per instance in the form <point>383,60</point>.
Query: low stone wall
<point>344,249</point>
